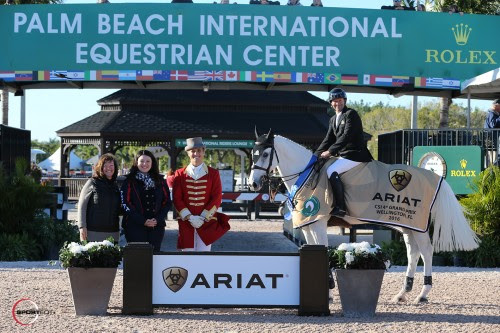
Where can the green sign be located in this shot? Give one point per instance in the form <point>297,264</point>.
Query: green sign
<point>203,42</point>
<point>460,165</point>
<point>219,143</point>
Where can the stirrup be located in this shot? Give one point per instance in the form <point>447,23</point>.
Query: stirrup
<point>338,212</point>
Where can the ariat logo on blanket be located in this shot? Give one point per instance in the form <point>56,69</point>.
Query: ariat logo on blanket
<point>311,207</point>
<point>399,179</point>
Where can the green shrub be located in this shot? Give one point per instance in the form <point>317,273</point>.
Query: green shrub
<point>396,250</point>
<point>17,247</point>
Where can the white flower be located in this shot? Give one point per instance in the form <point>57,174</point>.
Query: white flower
<point>346,247</point>
<point>106,243</point>
<point>349,257</point>
<point>75,248</point>
<point>90,245</point>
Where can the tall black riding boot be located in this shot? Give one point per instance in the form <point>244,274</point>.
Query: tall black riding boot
<point>338,193</point>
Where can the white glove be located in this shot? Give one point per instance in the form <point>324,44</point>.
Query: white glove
<point>196,221</point>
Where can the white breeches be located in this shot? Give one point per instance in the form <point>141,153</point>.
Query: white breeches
<point>341,165</point>
<point>199,245</point>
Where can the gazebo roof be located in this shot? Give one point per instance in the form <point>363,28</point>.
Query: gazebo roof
<point>233,114</point>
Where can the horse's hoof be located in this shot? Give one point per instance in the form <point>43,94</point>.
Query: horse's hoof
<point>421,300</point>
<point>398,299</point>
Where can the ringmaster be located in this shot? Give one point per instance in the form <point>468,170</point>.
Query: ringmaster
<point>197,193</point>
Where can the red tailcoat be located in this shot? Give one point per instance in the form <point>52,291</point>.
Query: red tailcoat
<point>199,197</point>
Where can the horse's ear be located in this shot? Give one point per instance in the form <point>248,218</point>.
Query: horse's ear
<point>270,134</point>
<point>256,134</point>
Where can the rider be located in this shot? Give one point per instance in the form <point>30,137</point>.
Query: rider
<point>345,141</point>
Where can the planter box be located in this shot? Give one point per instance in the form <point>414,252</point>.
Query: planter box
<point>359,290</point>
<point>91,289</point>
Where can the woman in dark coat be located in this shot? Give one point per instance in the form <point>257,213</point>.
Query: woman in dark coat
<point>99,203</point>
<point>146,200</point>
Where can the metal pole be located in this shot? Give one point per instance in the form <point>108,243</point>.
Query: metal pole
<point>468,109</point>
<point>414,109</point>
<point>23,110</point>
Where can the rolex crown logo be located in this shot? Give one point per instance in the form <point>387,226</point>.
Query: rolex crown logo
<point>461,33</point>
<point>463,163</point>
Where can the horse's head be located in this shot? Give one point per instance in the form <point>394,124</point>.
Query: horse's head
<point>263,160</point>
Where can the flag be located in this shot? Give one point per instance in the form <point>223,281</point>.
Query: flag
<point>43,75</point>
<point>231,76</point>
<point>24,75</point>
<point>90,75</point>
<point>349,79</point>
<point>399,81</point>
<point>246,75</point>
<point>315,77</point>
<point>264,76</point>
<point>282,76</point>
<point>332,78</point>
<point>299,77</point>
<point>144,75</point>
<point>107,75</point>
<point>419,82</point>
<point>127,75</point>
<point>451,83</point>
<point>381,80</point>
<point>58,75</point>
<point>366,79</point>
<point>434,82</point>
<point>75,75</point>
<point>178,75</point>
<point>7,76</point>
<point>162,75</point>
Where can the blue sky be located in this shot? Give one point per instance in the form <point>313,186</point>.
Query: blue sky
<point>48,110</point>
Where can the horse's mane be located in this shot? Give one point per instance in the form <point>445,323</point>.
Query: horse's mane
<point>293,142</point>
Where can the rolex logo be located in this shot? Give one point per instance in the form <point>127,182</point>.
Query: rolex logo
<point>461,33</point>
<point>175,278</point>
<point>463,163</point>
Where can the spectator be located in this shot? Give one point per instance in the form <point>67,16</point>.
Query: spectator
<point>493,117</point>
<point>317,3</point>
<point>264,2</point>
<point>146,201</point>
<point>9,2</point>
<point>454,9</point>
<point>420,7</point>
<point>99,203</point>
<point>397,6</point>
<point>294,3</point>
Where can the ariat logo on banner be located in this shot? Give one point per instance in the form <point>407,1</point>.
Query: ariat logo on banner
<point>175,278</point>
<point>399,179</point>
<point>461,33</point>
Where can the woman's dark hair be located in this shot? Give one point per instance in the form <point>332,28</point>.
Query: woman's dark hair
<point>98,170</point>
<point>154,172</point>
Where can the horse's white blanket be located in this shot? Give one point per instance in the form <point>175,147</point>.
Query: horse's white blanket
<point>393,195</point>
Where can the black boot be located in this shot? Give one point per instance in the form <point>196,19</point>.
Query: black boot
<point>338,193</point>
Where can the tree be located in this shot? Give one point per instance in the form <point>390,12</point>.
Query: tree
<point>49,147</point>
<point>5,106</point>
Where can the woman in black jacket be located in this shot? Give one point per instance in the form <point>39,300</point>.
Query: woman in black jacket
<point>146,200</point>
<point>99,203</point>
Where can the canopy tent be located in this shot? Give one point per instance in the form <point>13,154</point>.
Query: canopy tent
<point>35,152</point>
<point>484,86</point>
<point>54,161</point>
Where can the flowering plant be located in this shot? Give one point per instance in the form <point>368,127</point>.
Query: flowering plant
<point>358,256</point>
<point>90,254</point>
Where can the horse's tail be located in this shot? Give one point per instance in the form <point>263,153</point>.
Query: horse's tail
<point>452,231</point>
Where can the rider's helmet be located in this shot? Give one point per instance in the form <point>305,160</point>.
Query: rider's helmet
<point>336,93</point>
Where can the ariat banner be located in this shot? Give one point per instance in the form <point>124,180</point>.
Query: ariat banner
<point>390,194</point>
<point>203,42</point>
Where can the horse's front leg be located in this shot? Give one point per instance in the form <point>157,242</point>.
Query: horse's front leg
<point>412,253</point>
<point>426,249</point>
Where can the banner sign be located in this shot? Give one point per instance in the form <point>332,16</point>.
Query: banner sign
<point>459,165</point>
<point>220,143</point>
<point>203,42</point>
<point>264,280</point>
